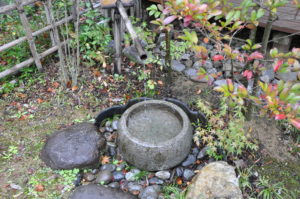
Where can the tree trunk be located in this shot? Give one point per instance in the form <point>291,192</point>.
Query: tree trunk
<point>267,32</point>
<point>168,57</point>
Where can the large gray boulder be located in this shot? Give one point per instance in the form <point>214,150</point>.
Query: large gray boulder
<point>93,191</point>
<point>75,147</point>
<point>215,180</point>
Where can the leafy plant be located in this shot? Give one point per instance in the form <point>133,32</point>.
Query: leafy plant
<point>244,181</point>
<point>94,38</point>
<point>141,175</point>
<point>69,177</point>
<point>12,150</point>
<point>155,10</point>
<point>177,49</point>
<point>224,134</point>
<point>271,191</point>
<point>277,100</point>
<point>173,192</point>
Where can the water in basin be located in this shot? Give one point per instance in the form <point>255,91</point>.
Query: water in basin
<point>154,125</point>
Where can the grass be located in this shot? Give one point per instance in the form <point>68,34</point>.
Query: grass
<point>21,142</point>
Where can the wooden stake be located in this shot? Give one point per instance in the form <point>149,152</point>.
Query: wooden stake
<point>29,36</point>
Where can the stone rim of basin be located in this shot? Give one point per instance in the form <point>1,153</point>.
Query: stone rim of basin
<point>180,135</point>
<point>159,155</point>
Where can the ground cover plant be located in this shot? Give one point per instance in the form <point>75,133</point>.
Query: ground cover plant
<point>40,103</point>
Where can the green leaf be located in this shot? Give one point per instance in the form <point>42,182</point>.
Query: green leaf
<point>296,87</point>
<point>157,14</point>
<point>237,15</point>
<point>274,52</point>
<point>260,13</point>
<point>253,15</point>
<point>230,16</point>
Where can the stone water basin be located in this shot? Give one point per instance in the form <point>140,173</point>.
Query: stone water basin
<point>154,135</point>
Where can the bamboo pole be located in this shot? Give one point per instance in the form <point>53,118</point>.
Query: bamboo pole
<point>58,42</point>
<point>49,23</point>
<point>13,6</point>
<point>131,31</point>
<point>42,30</point>
<point>22,39</point>
<point>29,36</point>
<point>27,62</point>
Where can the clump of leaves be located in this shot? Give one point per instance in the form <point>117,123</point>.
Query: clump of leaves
<point>173,192</point>
<point>224,134</point>
<point>94,38</point>
<point>271,190</point>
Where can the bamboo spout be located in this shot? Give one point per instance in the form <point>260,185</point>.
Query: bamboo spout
<point>131,31</point>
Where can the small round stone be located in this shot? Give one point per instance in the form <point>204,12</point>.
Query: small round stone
<point>202,153</point>
<point>156,181</point>
<point>190,160</point>
<point>114,124</point>
<point>118,175</point>
<point>112,151</point>
<point>114,185</point>
<point>89,177</point>
<point>104,177</point>
<point>109,129</point>
<point>107,136</point>
<point>179,171</point>
<point>150,192</point>
<point>134,188</point>
<point>108,167</point>
<point>163,174</point>
<point>200,166</point>
<point>195,151</point>
<point>188,174</point>
<point>95,171</point>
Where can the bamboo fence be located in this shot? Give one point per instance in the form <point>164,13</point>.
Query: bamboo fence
<point>57,45</point>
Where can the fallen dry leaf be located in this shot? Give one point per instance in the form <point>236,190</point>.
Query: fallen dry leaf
<point>206,40</point>
<point>160,82</point>
<point>21,95</point>
<point>74,88</point>
<point>23,117</point>
<point>55,84</point>
<point>179,181</point>
<point>50,90</point>
<point>39,188</point>
<point>105,159</point>
<point>69,84</point>
<point>39,100</point>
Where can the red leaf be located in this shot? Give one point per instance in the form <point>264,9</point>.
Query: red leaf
<point>278,65</point>
<point>230,85</point>
<point>218,57</point>
<point>169,19</point>
<point>280,117</point>
<point>248,74</point>
<point>296,123</point>
<point>187,20</point>
<point>202,8</point>
<point>255,55</point>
